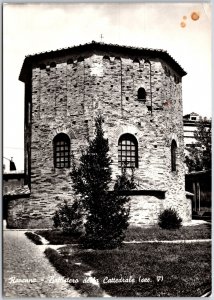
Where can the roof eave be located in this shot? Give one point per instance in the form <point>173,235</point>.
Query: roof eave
<point>27,64</point>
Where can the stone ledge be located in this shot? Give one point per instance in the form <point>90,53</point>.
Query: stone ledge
<point>16,196</point>
<point>156,193</point>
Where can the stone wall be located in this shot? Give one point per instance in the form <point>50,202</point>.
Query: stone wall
<point>20,216</point>
<point>12,184</point>
<point>67,97</point>
<point>144,211</point>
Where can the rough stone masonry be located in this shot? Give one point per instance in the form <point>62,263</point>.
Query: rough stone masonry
<point>139,93</point>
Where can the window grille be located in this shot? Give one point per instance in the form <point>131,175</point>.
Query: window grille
<point>61,151</point>
<point>128,151</point>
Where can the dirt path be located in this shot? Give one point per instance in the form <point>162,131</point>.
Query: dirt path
<point>27,272</point>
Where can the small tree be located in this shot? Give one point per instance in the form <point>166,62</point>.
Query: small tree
<point>69,218</point>
<point>107,212</point>
<point>199,154</point>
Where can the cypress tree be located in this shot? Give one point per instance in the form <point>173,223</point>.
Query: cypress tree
<point>107,211</point>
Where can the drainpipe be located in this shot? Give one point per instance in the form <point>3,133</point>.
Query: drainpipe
<point>147,61</point>
<point>84,87</point>
<point>199,196</point>
<point>121,82</point>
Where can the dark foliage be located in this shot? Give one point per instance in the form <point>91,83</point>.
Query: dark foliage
<point>69,218</point>
<point>107,212</point>
<point>169,219</point>
<point>199,156</point>
<point>123,183</point>
<point>34,238</point>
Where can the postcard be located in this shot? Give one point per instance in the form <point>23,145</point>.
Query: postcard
<point>107,150</point>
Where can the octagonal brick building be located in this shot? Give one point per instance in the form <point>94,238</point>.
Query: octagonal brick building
<point>138,91</point>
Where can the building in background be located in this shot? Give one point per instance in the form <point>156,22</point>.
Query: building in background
<point>190,123</point>
<point>138,91</point>
<point>13,183</point>
<point>198,183</point>
<point>8,165</point>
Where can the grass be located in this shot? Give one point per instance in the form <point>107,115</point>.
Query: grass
<point>69,270</point>
<point>185,269</point>
<point>34,238</point>
<point>203,231</point>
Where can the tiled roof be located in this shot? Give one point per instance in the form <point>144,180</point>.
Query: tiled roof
<point>96,43</point>
<point>99,47</point>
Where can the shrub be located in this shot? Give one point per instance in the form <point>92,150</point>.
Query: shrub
<point>69,218</point>
<point>34,238</point>
<point>169,219</point>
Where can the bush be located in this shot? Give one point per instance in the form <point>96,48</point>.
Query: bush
<point>169,219</point>
<point>34,238</point>
<point>69,218</point>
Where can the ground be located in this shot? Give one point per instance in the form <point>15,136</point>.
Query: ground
<point>24,260</point>
<point>185,267</point>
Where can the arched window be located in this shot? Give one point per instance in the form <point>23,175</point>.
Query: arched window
<point>61,147</point>
<point>141,94</point>
<point>173,155</point>
<point>127,151</point>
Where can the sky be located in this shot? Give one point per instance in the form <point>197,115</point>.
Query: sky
<point>183,30</point>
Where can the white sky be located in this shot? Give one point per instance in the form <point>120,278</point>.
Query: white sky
<point>33,28</point>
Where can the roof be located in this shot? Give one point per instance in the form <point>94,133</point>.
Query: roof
<point>191,114</point>
<point>13,175</point>
<point>186,117</point>
<point>96,47</point>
